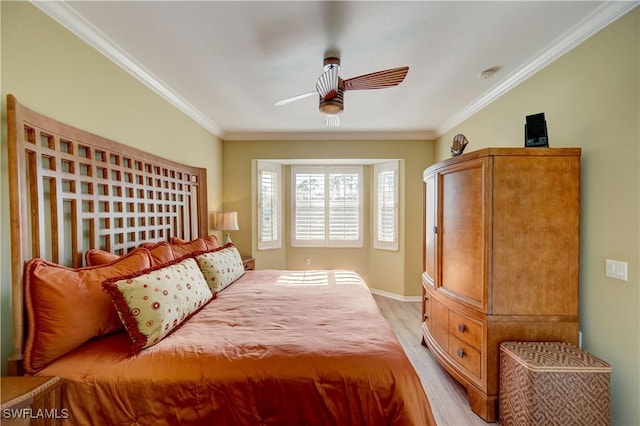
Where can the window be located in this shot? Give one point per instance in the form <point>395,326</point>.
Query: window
<point>268,206</point>
<point>326,206</point>
<point>386,206</point>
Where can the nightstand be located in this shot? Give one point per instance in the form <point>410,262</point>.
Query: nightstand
<point>31,400</point>
<point>249,263</point>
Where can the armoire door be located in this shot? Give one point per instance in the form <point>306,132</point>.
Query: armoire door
<point>464,202</point>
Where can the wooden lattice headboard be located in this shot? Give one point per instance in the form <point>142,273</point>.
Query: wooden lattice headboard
<point>71,191</point>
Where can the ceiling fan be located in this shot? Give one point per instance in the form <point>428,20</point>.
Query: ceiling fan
<point>330,87</point>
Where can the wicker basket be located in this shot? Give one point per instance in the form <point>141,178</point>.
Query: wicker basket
<point>552,383</point>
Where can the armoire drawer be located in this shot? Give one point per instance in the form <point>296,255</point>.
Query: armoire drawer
<point>465,355</point>
<point>440,334</point>
<point>438,322</point>
<point>466,329</point>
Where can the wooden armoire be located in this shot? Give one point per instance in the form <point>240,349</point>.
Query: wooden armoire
<point>501,259</point>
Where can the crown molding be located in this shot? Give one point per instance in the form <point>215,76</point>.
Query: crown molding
<point>71,20</point>
<point>329,135</point>
<point>600,18</point>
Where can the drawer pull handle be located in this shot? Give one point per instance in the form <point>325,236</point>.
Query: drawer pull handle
<point>460,353</point>
<point>461,328</point>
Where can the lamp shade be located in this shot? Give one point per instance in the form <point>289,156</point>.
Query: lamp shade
<point>226,221</point>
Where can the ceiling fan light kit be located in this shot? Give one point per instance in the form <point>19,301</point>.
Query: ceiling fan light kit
<point>331,120</point>
<point>330,87</point>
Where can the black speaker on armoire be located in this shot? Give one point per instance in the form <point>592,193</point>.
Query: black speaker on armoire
<point>535,131</point>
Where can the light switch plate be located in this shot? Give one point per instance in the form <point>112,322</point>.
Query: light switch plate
<point>616,269</point>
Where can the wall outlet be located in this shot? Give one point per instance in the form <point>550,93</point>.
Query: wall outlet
<point>616,269</point>
<point>307,261</point>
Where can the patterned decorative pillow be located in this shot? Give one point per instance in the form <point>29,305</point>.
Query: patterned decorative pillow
<point>221,267</point>
<point>153,304</point>
<point>66,307</point>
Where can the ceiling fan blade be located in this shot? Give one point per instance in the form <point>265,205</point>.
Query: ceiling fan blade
<point>332,120</point>
<point>327,84</point>
<point>377,80</point>
<point>295,98</point>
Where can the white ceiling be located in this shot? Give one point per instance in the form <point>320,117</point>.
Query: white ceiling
<point>225,63</point>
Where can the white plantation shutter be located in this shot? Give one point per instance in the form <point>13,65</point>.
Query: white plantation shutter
<point>344,207</point>
<point>309,207</point>
<point>268,206</point>
<point>386,206</point>
<point>327,207</point>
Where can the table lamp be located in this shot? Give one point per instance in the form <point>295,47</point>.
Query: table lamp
<point>226,221</point>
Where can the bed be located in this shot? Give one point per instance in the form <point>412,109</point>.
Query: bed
<point>237,347</point>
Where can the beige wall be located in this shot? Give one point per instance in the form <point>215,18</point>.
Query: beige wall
<point>53,72</point>
<point>590,98</point>
<point>396,272</point>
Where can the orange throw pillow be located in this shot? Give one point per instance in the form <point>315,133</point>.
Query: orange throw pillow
<point>161,253</point>
<point>211,241</point>
<point>96,257</point>
<point>182,250</point>
<point>66,307</point>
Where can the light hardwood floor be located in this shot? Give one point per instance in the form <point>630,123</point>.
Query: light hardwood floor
<point>447,397</point>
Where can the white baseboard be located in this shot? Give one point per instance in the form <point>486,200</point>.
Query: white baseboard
<point>396,296</point>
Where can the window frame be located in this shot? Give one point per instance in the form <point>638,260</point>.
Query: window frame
<point>378,170</point>
<point>270,167</point>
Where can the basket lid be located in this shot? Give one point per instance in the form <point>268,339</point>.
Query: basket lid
<point>554,356</point>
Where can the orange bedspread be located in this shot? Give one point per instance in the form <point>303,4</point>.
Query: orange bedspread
<point>274,348</point>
